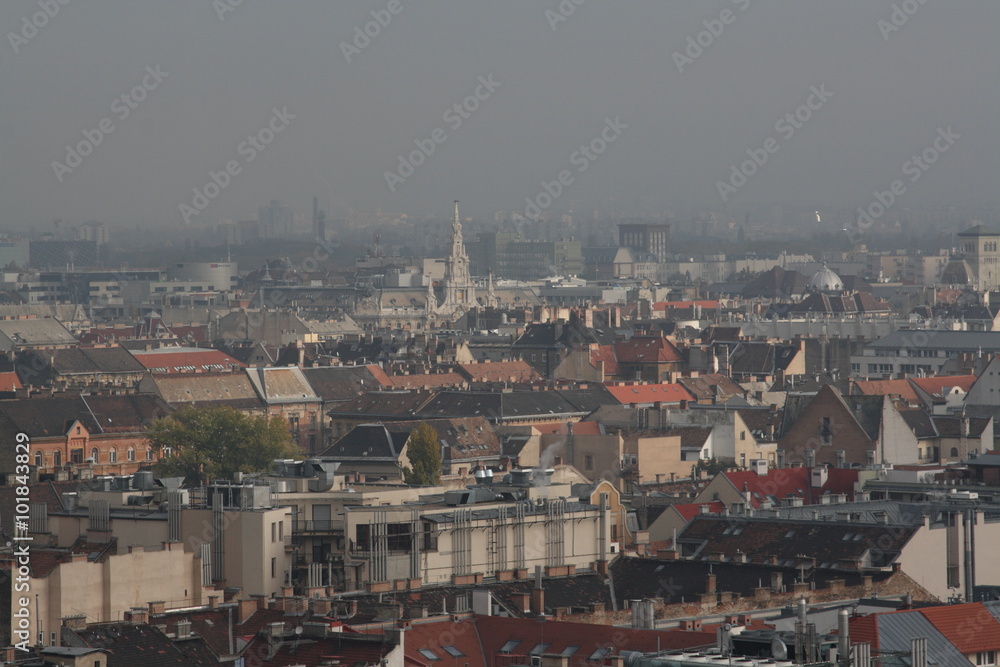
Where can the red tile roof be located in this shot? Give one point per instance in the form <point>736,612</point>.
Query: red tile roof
<point>496,631</point>
<point>605,353</point>
<point>901,388</point>
<point>646,349</point>
<point>689,511</point>
<point>649,393</point>
<point>792,481</point>
<point>970,627</point>
<point>9,381</point>
<point>189,360</point>
<point>936,385</point>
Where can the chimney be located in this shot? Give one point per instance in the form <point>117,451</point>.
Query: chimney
<point>246,609</point>
<point>710,583</point>
<point>538,593</point>
<point>137,616</point>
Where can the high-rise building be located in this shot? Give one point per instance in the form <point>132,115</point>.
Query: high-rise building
<point>646,238</point>
<point>510,256</point>
<point>275,220</point>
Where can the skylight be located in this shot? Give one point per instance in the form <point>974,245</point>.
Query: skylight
<point>510,645</point>
<point>429,654</point>
<point>452,651</point>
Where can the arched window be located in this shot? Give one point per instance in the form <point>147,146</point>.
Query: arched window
<point>149,454</point>
<point>95,455</point>
<point>38,459</point>
<point>57,458</point>
<point>131,454</point>
<point>113,456</point>
<point>954,452</point>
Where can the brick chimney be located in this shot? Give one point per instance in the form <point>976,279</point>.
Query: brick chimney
<point>246,609</point>
<point>710,583</point>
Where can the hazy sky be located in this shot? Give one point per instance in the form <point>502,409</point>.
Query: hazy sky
<point>891,91</point>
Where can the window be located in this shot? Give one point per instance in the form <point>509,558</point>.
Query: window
<point>599,654</point>
<point>429,654</point>
<point>57,458</point>
<point>510,645</point>
<point>274,567</point>
<point>38,459</point>
<point>149,454</point>
<point>539,649</point>
<point>569,651</point>
<point>743,435</point>
<point>95,455</point>
<point>954,452</point>
<point>588,462</point>
<point>986,658</point>
<point>452,651</point>
<point>274,531</point>
<point>130,454</point>
<point>113,455</point>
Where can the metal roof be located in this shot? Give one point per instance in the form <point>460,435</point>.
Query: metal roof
<point>896,631</point>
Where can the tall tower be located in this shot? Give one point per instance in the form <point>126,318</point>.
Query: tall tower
<point>459,290</point>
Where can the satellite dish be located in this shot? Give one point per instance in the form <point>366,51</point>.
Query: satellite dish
<point>298,630</point>
<point>778,649</point>
<point>727,627</point>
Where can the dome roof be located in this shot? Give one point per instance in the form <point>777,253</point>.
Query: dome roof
<point>826,280</point>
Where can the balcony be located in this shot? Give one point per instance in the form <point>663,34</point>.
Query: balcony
<point>314,526</point>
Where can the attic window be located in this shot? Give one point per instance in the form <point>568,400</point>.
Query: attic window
<point>569,651</point>
<point>539,649</point>
<point>510,645</point>
<point>847,537</point>
<point>599,653</point>
<point>452,651</point>
<point>790,534</point>
<point>429,654</point>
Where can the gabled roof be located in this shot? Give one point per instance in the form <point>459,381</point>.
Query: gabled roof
<point>605,354</point>
<point>979,230</point>
<point>427,380</point>
<point>282,385</point>
<point>342,383</point>
<point>186,360</point>
<point>9,381</point>
<point>131,645</point>
<point>42,417</point>
<point>645,350</point>
<point>833,544</point>
<point>36,332</point>
<point>469,438</point>
<point>953,621</point>
<point>866,411</point>
<point>517,370</point>
<point>689,511</point>
<point>901,388</point>
<point>937,386</point>
<point>712,385</point>
<point>788,482</point>
<point>384,404</point>
<point>368,442</point>
<point>640,394</point>
<point>233,389</point>
<point>83,360</point>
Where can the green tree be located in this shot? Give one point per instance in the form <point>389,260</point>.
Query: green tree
<point>425,457</point>
<point>712,466</point>
<point>215,442</point>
